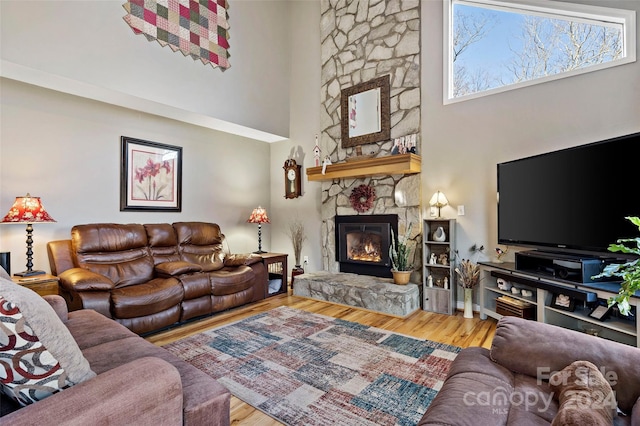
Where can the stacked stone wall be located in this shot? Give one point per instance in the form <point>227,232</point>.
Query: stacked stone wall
<point>363,40</point>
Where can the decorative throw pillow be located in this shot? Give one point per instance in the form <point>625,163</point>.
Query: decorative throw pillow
<point>38,355</point>
<point>585,396</point>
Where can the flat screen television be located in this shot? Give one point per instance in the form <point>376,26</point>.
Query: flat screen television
<point>571,200</point>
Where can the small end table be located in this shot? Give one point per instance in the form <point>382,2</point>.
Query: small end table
<point>45,284</point>
<point>276,264</point>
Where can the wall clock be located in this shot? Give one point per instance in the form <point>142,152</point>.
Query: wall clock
<point>292,181</point>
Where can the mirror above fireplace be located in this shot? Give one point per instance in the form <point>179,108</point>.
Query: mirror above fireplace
<point>365,112</point>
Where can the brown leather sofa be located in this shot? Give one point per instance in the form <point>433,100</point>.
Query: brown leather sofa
<point>148,277</point>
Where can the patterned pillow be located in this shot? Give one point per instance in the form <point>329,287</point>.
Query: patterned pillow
<point>38,355</point>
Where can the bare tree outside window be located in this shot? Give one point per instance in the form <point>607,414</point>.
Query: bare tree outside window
<point>552,46</point>
<point>493,47</point>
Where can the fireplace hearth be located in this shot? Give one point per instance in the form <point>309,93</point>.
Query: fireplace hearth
<point>362,243</point>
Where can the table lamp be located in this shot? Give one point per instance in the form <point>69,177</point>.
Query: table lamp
<point>28,210</point>
<point>259,216</point>
<point>438,200</point>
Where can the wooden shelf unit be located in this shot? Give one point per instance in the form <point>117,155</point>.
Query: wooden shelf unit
<point>437,298</point>
<point>543,290</point>
<point>401,164</point>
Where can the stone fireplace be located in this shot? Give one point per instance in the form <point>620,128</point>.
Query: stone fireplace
<point>362,243</point>
<point>362,41</point>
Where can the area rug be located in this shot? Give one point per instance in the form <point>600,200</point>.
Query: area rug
<point>309,369</point>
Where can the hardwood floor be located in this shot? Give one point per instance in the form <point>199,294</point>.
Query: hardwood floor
<point>450,329</point>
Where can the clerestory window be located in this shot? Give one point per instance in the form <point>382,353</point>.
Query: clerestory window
<point>492,46</point>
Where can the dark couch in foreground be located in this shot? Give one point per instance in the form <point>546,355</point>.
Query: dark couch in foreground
<point>508,385</point>
<point>151,276</point>
<point>135,381</point>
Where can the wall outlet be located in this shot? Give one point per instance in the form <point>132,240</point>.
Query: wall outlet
<point>461,210</point>
<point>305,259</point>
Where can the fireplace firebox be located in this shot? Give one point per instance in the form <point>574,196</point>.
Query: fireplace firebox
<point>362,243</point>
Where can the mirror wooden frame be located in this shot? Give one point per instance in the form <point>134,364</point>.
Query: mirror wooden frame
<point>385,112</point>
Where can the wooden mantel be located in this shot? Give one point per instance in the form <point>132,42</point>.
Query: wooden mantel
<point>401,164</point>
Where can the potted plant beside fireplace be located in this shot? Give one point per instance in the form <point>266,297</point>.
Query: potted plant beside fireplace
<point>399,254</point>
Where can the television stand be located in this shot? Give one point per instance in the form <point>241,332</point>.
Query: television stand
<point>571,267</point>
<point>548,295</point>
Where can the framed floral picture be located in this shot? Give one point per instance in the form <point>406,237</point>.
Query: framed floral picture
<point>150,176</point>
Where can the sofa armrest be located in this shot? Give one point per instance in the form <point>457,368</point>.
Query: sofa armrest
<point>59,306</point>
<point>147,388</point>
<point>79,279</point>
<point>635,414</point>
<point>173,269</point>
<point>538,349</point>
<point>242,259</point>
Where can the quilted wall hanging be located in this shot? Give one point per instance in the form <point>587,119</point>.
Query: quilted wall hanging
<point>197,28</point>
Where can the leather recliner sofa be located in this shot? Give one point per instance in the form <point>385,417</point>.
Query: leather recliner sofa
<point>151,276</point>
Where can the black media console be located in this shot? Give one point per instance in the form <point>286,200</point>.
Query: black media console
<point>569,267</point>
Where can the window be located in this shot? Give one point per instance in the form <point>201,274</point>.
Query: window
<point>492,46</point>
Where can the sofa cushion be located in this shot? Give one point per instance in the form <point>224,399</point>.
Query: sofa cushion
<point>201,243</point>
<point>87,331</point>
<point>163,242</point>
<point>241,259</point>
<point>209,258</point>
<point>154,296</point>
<point>172,269</point>
<point>585,396</point>
<point>231,280</point>
<point>203,397</point>
<point>482,392</point>
<point>119,252</point>
<point>39,355</point>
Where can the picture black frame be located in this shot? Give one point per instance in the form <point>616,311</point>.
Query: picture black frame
<point>601,312</point>
<point>563,302</point>
<point>150,176</point>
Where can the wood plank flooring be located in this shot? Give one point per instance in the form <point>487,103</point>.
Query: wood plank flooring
<point>450,329</point>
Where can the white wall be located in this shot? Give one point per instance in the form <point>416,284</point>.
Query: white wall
<point>88,41</point>
<point>66,150</point>
<point>305,124</point>
<point>463,142</point>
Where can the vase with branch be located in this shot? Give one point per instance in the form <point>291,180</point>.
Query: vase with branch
<point>298,237</point>
<point>468,272</point>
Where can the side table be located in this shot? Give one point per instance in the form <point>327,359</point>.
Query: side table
<point>276,264</point>
<point>44,284</point>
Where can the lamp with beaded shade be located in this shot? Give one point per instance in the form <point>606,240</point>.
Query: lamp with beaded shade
<point>259,216</point>
<point>28,210</point>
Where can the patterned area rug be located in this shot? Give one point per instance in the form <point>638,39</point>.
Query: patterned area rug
<point>308,369</point>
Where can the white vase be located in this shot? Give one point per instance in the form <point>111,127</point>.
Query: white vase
<point>468,303</point>
<point>439,234</point>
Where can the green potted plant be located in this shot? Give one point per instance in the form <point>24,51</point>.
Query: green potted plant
<point>400,257</point>
<point>628,272</point>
